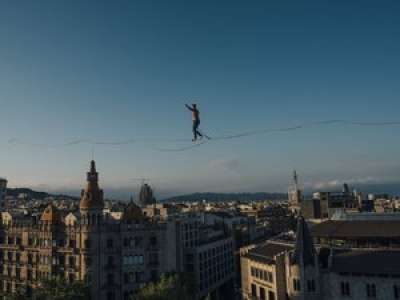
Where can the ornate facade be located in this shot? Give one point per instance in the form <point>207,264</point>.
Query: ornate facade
<point>277,270</point>
<point>115,256</point>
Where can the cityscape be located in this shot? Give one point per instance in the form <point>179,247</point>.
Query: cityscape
<point>199,150</point>
<point>328,245</point>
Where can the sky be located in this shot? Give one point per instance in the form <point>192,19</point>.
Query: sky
<point>118,70</point>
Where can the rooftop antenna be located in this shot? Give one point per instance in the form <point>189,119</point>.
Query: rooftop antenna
<point>142,180</point>
<point>92,152</point>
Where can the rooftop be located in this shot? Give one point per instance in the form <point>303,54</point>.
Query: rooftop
<point>385,262</point>
<point>266,252</point>
<point>357,228</point>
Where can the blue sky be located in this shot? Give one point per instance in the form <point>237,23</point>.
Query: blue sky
<point>111,70</point>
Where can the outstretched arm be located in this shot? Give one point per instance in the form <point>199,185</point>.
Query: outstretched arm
<point>188,107</point>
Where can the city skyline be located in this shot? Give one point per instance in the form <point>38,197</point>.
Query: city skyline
<point>112,72</point>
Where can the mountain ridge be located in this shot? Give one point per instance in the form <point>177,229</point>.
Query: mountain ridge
<point>224,197</point>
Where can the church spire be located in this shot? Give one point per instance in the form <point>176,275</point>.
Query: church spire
<point>92,195</point>
<point>304,252</point>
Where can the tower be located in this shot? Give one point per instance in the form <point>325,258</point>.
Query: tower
<point>302,266</point>
<point>92,202</point>
<point>92,232</point>
<point>294,193</point>
<point>146,196</point>
<point>3,189</point>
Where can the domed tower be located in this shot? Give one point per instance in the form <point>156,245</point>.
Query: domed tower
<point>146,196</point>
<point>92,202</point>
<point>302,266</point>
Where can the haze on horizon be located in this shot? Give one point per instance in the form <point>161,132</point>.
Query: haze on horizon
<point>116,70</point>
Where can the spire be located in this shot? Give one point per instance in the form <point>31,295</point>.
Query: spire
<point>304,252</point>
<point>146,195</point>
<point>93,166</point>
<point>92,196</point>
<point>295,177</point>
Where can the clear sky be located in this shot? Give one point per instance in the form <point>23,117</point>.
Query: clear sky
<point>111,70</point>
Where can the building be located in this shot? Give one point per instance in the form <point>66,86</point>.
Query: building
<point>358,233</point>
<point>275,270</point>
<point>295,195</point>
<point>3,190</point>
<point>114,256</point>
<point>146,196</point>
<point>324,205</point>
<point>115,253</point>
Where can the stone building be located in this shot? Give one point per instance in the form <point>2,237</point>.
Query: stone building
<point>279,271</point>
<point>146,196</point>
<point>114,255</point>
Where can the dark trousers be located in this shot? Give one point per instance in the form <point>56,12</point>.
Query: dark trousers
<point>196,132</point>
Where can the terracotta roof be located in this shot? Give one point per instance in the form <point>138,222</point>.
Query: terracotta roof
<point>385,262</point>
<point>338,229</point>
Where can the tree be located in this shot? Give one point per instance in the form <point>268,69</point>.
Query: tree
<point>171,286</point>
<point>53,289</point>
<point>59,289</point>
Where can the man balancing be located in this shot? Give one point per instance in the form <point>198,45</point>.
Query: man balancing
<point>196,121</point>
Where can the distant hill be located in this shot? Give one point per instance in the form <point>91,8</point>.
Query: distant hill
<point>34,194</point>
<point>223,197</point>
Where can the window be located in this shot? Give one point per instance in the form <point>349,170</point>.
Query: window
<point>345,288</point>
<point>253,290</point>
<point>126,295</point>
<point>87,244</point>
<point>271,295</point>
<point>296,285</point>
<point>396,291</point>
<point>30,259</point>
<point>311,285</point>
<point>71,261</point>
<point>154,275</point>
<point>270,277</point>
<point>371,290</point>
<point>262,293</point>
<point>88,261</point>
<point>139,277</point>
<point>110,279</point>
<point>110,296</point>
<point>110,261</point>
<point>110,243</point>
<point>72,243</point>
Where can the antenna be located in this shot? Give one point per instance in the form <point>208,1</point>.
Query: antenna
<point>92,152</point>
<point>142,180</point>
